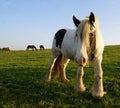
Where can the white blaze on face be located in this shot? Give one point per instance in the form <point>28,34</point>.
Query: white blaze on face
<point>81,57</point>
<point>82,43</point>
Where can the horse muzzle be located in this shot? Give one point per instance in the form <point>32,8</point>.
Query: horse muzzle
<point>82,62</point>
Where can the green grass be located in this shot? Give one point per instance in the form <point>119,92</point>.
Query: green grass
<point>22,82</point>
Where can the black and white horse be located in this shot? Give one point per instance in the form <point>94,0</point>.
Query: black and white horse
<point>81,45</point>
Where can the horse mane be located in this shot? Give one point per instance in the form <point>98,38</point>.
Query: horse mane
<point>84,29</point>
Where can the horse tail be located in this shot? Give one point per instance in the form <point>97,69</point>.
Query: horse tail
<point>57,66</point>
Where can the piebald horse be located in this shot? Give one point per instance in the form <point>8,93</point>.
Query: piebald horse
<point>81,45</point>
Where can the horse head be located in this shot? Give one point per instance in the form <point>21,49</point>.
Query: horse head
<point>86,38</point>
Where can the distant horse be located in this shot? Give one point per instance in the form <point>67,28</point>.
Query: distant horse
<point>6,49</point>
<point>33,47</point>
<point>42,47</point>
<point>81,45</point>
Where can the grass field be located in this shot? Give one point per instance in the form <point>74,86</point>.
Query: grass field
<point>22,82</point>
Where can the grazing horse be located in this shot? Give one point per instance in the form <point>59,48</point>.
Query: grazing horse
<point>81,45</point>
<point>6,49</point>
<point>42,47</point>
<point>33,47</point>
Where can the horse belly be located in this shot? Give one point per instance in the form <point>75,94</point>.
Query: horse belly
<point>68,54</point>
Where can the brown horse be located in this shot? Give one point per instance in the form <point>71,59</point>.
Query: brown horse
<point>6,49</point>
<point>33,47</point>
<point>42,47</point>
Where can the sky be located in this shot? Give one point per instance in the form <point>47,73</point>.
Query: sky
<point>24,22</point>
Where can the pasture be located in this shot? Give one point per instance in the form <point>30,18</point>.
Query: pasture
<point>22,82</point>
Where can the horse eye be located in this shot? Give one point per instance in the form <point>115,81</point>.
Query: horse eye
<point>91,28</point>
<point>91,34</point>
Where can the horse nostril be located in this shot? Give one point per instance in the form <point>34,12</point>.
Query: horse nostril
<point>83,61</point>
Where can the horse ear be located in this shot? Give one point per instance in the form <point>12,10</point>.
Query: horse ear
<point>76,21</point>
<point>92,18</point>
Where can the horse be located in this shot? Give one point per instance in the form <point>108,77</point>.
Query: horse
<point>42,47</point>
<point>6,49</point>
<point>33,47</point>
<point>81,45</point>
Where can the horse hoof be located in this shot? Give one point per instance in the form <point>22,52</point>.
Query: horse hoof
<point>47,79</point>
<point>65,80</point>
<point>99,95</point>
<point>79,89</point>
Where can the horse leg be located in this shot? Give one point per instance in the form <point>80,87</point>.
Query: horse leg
<point>51,65</point>
<point>79,84</point>
<point>63,66</point>
<point>97,89</point>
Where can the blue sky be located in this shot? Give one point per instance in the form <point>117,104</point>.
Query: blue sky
<point>24,22</point>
